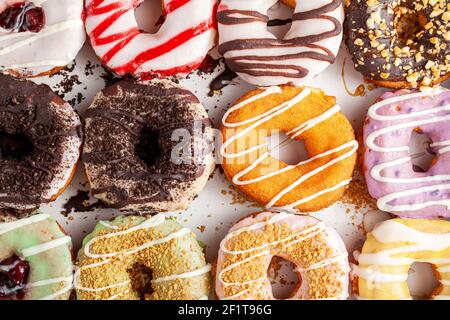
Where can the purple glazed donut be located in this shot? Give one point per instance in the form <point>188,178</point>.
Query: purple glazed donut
<point>387,163</point>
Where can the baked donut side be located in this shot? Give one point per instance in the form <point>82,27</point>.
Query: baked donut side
<point>147,258</point>
<point>148,146</point>
<point>399,44</point>
<point>400,188</point>
<point>40,37</point>
<point>40,142</point>
<point>390,250</point>
<point>37,254</point>
<point>304,114</point>
<point>317,252</point>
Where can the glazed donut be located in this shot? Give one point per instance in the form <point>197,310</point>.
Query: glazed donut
<point>259,58</point>
<point>390,250</point>
<point>316,250</point>
<point>39,37</point>
<point>116,257</point>
<point>399,44</point>
<point>304,114</point>
<point>35,260</point>
<point>388,166</point>
<point>40,141</point>
<point>180,45</point>
<point>132,147</point>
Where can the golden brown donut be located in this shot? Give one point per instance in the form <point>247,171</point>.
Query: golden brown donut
<point>305,114</point>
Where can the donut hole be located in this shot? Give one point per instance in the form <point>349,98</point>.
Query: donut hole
<point>141,280</point>
<point>422,156</point>
<point>422,280</point>
<point>14,273</point>
<point>149,16</point>
<point>283,278</point>
<point>408,23</point>
<point>14,146</point>
<point>286,149</point>
<point>148,148</point>
<point>279,19</point>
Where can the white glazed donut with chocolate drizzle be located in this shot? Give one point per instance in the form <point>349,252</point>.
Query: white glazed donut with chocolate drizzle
<point>39,37</point>
<point>259,58</point>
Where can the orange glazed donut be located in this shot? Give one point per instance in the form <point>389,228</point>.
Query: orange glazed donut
<point>305,114</point>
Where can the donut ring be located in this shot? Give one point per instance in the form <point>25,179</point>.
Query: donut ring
<point>180,45</point>
<point>131,153</point>
<point>390,250</point>
<point>40,142</point>
<point>43,252</point>
<point>305,114</point>
<point>316,250</point>
<point>388,166</point>
<point>259,58</point>
<point>50,46</point>
<point>109,261</point>
<point>376,41</point>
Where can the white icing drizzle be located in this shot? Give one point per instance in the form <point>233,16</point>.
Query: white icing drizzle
<point>107,225</point>
<point>420,118</point>
<point>34,250</point>
<point>10,226</point>
<point>267,116</point>
<point>67,280</point>
<point>115,296</point>
<point>392,231</point>
<point>297,237</point>
<point>147,224</point>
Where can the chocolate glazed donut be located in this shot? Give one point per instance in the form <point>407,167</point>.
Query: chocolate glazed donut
<point>132,154</point>
<point>40,141</point>
<point>399,43</point>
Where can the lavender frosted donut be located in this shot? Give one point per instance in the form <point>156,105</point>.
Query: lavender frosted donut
<point>387,163</point>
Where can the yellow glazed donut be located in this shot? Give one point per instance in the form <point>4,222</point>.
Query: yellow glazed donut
<point>304,114</point>
<point>317,252</point>
<point>390,250</point>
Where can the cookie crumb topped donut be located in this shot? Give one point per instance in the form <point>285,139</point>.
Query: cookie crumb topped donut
<point>40,142</point>
<point>147,258</point>
<point>317,251</point>
<point>399,43</point>
<point>147,146</point>
<point>304,114</point>
<point>39,37</point>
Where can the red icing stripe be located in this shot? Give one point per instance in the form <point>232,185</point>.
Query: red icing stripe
<point>174,5</point>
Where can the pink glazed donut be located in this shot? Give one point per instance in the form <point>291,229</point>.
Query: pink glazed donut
<point>387,163</point>
<point>180,46</point>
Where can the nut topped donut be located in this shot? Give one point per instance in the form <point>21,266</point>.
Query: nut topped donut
<point>39,37</point>
<point>40,141</point>
<point>399,43</point>
<point>147,146</point>
<point>148,258</point>
<point>304,114</point>
<point>317,251</point>
<point>259,58</point>
<point>180,46</point>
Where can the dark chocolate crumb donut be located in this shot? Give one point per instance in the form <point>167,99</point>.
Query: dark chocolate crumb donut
<point>40,141</point>
<point>148,146</point>
<point>399,43</point>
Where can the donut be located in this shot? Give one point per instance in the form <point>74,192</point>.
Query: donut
<point>317,252</point>
<point>304,114</point>
<point>35,260</point>
<point>39,37</point>
<point>259,58</point>
<point>399,44</point>
<point>189,31</point>
<point>135,133</point>
<point>390,250</point>
<point>117,258</point>
<point>387,163</point>
<point>40,141</point>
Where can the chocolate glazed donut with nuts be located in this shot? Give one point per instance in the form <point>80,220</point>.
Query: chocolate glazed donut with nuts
<point>147,146</point>
<point>399,43</point>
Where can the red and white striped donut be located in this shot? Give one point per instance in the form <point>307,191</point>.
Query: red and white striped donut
<point>180,45</point>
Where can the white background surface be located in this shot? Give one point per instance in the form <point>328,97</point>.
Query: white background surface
<point>215,209</point>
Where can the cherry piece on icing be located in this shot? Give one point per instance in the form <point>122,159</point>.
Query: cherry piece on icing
<point>13,278</point>
<point>23,17</point>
